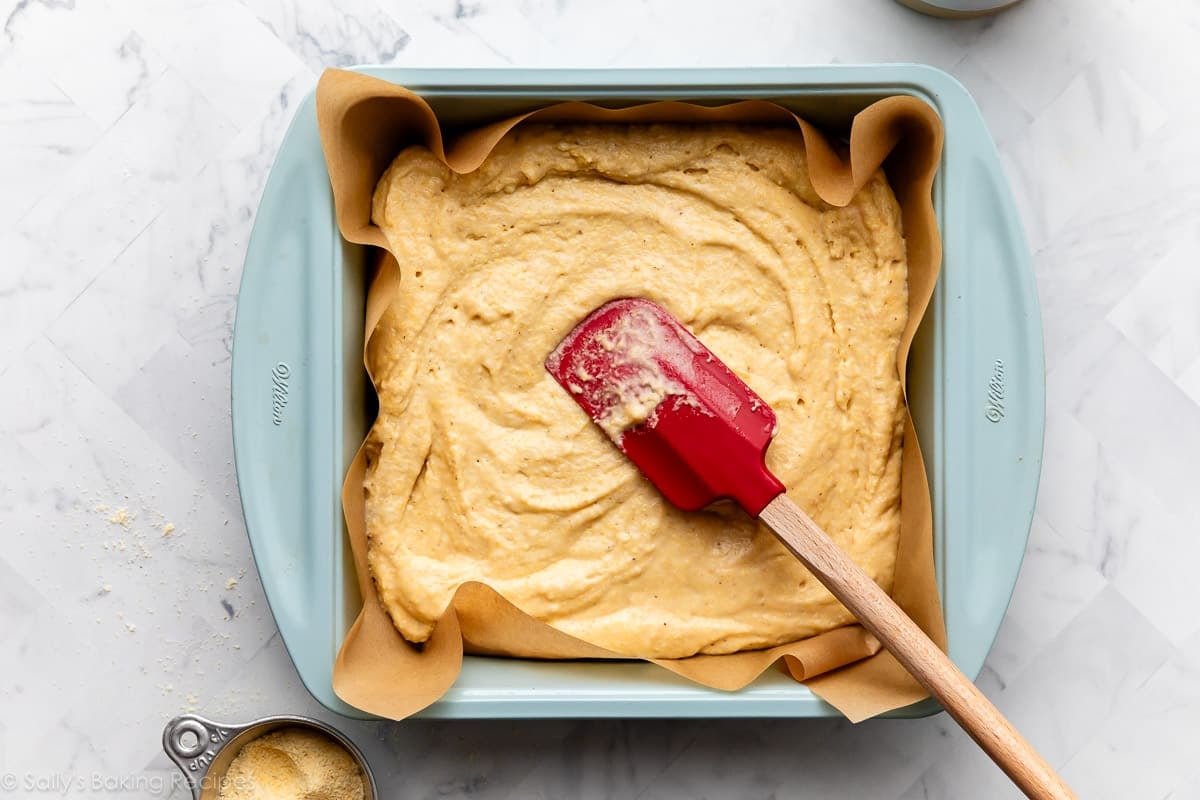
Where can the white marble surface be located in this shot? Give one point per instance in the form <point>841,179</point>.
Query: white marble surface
<point>135,138</point>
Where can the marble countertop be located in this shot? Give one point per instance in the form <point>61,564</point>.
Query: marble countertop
<point>135,139</point>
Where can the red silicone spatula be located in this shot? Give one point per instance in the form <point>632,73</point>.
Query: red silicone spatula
<point>699,433</point>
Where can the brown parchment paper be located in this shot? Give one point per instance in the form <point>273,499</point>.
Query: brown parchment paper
<point>364,123</point>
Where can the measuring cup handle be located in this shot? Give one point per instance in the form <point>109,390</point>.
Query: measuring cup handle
<point>194,758</point>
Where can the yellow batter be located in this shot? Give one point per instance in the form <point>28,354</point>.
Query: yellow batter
<point>482,467</point>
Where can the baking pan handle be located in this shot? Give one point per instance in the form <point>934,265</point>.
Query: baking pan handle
<point>287,402</point>
<point>994,414</point>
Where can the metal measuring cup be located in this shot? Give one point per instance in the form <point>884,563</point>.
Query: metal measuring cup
<point>205,761</point>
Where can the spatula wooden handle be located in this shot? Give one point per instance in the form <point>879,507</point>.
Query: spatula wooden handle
<point>912,648</point>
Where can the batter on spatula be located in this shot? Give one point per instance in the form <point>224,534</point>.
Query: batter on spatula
<point>482,468</point>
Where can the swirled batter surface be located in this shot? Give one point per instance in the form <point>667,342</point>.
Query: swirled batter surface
<point>482,468</point>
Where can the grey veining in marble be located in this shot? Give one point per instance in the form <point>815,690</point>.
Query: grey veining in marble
<point>135,140</point>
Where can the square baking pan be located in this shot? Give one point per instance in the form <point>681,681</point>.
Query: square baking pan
<point>301,402</point>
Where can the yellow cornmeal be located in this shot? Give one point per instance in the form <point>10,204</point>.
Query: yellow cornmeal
<point>481,467</point>
<point>292,764</point>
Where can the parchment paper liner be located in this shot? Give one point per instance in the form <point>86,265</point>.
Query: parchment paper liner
<point>364,122</point>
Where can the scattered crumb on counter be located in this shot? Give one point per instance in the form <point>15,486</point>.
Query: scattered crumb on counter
<point>121,532</point>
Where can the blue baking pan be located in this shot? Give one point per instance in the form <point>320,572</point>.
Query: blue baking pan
<point>301,403</point>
